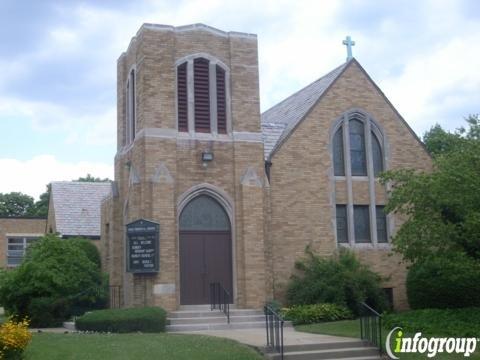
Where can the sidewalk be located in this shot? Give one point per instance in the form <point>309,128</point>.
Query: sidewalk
<point>257,337</point>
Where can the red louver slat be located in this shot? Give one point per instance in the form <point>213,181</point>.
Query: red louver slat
<point>202,94</point>
<point>221,102</point>
<point>182,100</point>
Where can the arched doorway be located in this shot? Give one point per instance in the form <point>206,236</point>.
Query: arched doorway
<point>205,249</point>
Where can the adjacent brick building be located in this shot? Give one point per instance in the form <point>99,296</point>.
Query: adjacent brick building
<point>16,233</point>
<point>239,195</point>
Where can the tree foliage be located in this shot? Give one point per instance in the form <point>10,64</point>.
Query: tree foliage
<point>440,142</point>
<point>340,280</point>
<point>443,282</point>
<point>15,204</point>
<point>90,178</point>
<point>55,278</point>
<point>441,207</point>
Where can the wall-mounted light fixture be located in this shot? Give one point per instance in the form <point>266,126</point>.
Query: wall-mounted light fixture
<point>207,156</point>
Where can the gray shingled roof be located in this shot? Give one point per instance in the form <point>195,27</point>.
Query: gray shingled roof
<point>77,206</point>
<point>280,120</point>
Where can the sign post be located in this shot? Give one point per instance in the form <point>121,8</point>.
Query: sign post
<point>142,247</point>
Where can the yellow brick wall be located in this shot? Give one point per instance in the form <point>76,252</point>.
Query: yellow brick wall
<point>303,210</point>
<point>20,226</point>
<point>155,53</point>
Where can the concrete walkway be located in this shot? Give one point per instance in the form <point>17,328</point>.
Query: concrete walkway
<point>257,337</point>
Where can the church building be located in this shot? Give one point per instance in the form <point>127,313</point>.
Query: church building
<point>235,196</point>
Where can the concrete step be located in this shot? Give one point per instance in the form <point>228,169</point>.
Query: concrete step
<point>215,320</point>
<point>224,326</point>
<point>359,358</point>
<point>342,344</point>
<point>328,354</point>
<point>214,313</point>
<point>204,307</point>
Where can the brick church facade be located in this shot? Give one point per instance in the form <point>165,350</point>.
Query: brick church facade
<point>237,194</point>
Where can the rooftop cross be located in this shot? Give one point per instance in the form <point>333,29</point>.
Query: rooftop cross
<point>348,41</point>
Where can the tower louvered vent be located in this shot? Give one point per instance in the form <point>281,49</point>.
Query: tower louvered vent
<point>221,101</point>
<point>182,97</point>
<point>202,95</point>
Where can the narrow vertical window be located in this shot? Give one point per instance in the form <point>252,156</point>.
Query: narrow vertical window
<point>127,115</point>
<point>357,148</point>
<point>133,103</point>
<point>130,109</point>
<point>362,223</point>
<point>182,97</point>
<point>201,94</point>
<point>382,236</point>
<point>221,101</point>
<point>338,160</point>
<point>377,156</point>
<point>342,230</point>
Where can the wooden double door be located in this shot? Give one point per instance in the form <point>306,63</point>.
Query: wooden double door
<point>205,257</point>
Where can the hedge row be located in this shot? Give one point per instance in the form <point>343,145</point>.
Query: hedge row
<point>148,319</point>
<point>437,322</point>
<point>309,314</point>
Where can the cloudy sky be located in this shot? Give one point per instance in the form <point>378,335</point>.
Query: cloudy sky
<point>58,67</point>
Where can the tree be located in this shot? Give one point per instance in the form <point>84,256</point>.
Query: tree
<point>439,141</point>
<point>15,204</point>
<point>90,178</point>
<point>442,207</point>
<point>40,208</point>
<point>56,278</point>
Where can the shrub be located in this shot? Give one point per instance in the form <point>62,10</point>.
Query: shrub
<point>147,319</point>
<point>90,249</point>
<point>55,271</point>
<point>310,314</point>
<point>444,282</point>
<point>47,311</point>
<point>14,338</point>
<point>340,280</point>
<point>437,322</point>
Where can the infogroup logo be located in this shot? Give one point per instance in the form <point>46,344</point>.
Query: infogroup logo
<point>432,346</point>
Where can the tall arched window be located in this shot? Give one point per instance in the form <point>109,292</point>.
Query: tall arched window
<point>358,157</point>
<point>130,123</point>
<point>359,150</point>
<point>203,82</point>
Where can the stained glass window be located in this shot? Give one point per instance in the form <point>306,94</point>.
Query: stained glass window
<point>381,225</point>
<point>357,148</point>
<point>204,213</point>
<point>362,223</point>
<point>338,161</point>
<point>342,229</point>
<point>377,156</point>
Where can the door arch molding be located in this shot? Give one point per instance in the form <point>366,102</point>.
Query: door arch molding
<point>226,203</point>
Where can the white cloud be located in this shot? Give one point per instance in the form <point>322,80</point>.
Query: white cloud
<point>31,176</point>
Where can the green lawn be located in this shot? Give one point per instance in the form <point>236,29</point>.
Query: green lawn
<point>135,346</point>
<point>351,328</point>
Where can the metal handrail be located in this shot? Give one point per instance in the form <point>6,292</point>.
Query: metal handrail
<point>371,326</point>
<point>274,326</point>
<point>220,299</point>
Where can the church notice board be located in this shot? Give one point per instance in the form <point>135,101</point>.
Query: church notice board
<point>142,247</point>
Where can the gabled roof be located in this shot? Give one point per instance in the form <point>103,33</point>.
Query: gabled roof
<point>280,120</point>
<point>77,206</point>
